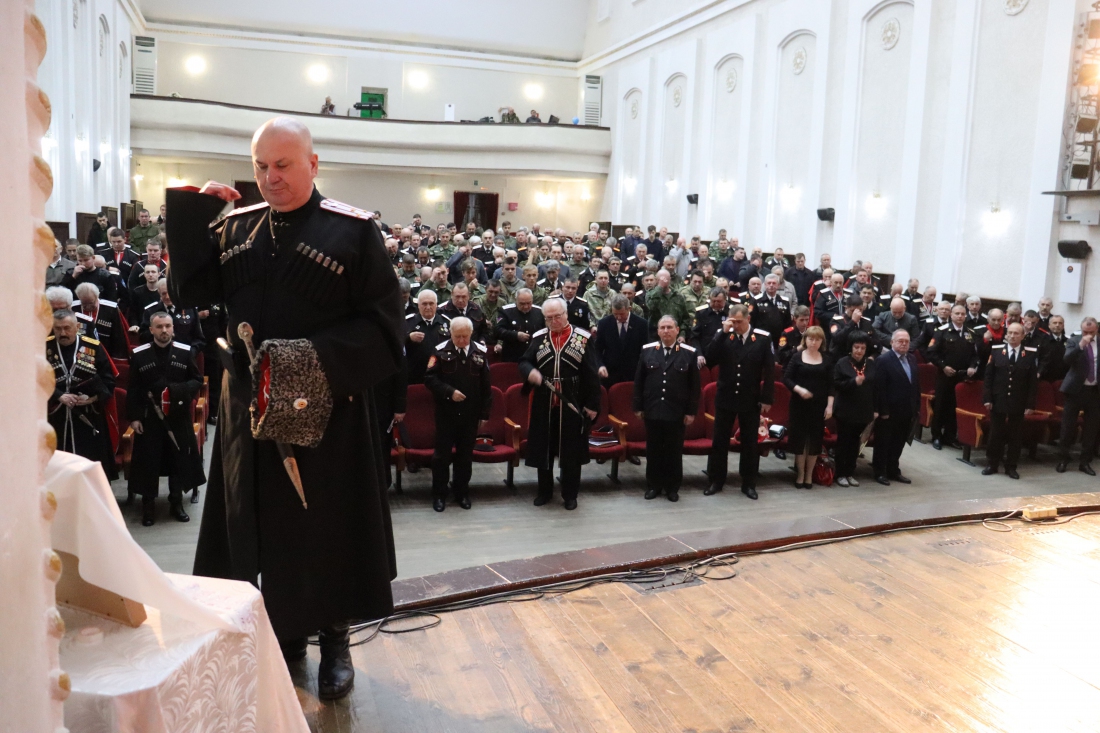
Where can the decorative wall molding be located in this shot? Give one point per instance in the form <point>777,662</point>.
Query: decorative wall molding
<point>891,33</point>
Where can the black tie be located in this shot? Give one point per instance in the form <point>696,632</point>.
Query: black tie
<point>666,352</point>
<point>1012,357</point>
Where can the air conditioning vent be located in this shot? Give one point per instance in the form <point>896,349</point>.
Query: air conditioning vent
<point>593,99</point>
<point>145,65</point>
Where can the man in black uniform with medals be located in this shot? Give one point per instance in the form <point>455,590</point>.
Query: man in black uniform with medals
<point>745,388</point>
<point>666,396</point>
<point>954,352</point>
<point>424,330</point>
<point>83,382</point>
<point>561,365</point>
<point>163,381</point>
<point>458,377</point>
<point>515,324</point>
<point>1011,381</point>
<point>295,492</point>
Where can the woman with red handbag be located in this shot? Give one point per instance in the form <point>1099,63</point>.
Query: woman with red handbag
<point>809,377</point>
<point>854,406</point>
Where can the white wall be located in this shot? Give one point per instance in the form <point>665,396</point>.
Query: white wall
<point>913,119</point>
<point>571,204</point>
<point>275,75</point>
<point>86,74</point>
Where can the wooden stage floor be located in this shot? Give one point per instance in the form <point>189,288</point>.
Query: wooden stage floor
<point>958,628</point>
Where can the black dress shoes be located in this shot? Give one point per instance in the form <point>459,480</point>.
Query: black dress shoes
<point>1011,473</point>
<point>990,470</point>
<point>749,491</point>
<point>634,460</point>
<point>175,511</point>
<point>148,513</point>
<point>1086,468</point>
<point>1062,466</point>
<point>129,498</point>
<point>900,479</point>
<point>674,496</point>
<point>195,495</point>
<point>937,444</point>
<point>439,504</point>
<point>464,502</point>
<point>652,494</point>
<point>712,489</point>
<point>541,499</point>
<point>294,650</point>
<point>882,480</point>
<point>336,675</point>
<point>781,454</point>
<point>570,504</point>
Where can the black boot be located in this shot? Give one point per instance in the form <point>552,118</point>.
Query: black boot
<point>294,650</point>
<point>148,512</point>
<point>175,510</point>
<point>336,675</point>
<point>195,495</point>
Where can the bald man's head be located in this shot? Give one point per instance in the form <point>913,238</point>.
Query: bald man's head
<point>284,163</point>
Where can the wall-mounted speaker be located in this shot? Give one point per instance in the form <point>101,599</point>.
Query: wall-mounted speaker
<point>1074,249</point>
<point>693,198</point>
<point>826,214</point>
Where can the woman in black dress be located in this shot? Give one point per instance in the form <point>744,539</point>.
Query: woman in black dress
<point>854,406</point>
<point>809,377</point>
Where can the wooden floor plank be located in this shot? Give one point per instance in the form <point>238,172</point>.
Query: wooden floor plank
<point>591,701</point>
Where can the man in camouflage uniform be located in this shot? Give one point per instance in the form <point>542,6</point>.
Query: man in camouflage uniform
<point>664,301</point>
<point>438,284</point>
<point>599,297</point>
<point>530,279</point>
<point>695,294</point>
<point>443,250</point>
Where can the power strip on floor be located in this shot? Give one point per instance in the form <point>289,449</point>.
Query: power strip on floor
<point>1033,513</point>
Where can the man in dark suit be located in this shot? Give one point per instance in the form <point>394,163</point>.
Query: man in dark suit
<point>745,389</point>
<point>1082,395</point>
<point>897,403</point>
<point>1011,379</point>
<point>666,396</point>
<point>619,340</point>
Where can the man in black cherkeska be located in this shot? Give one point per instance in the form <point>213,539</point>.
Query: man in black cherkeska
<point>311,278</point>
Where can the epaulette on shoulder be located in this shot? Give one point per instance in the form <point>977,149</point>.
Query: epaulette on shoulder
<point>582,332</point>
<point>761,331</point>
<point>581,300</point>
<point>998,346</point>
<point>246,209</point>
<point>1030,348</point>
<point>944,327</point>
<point>758,296</point>
<point>866,318</point>
<point>143,347</point>
<point>338,207</point>
<point>702,307</point>
<point>51,338</point>
<point>481,346</point>
<point>110,303</point>
<point>411,315</point>
<point>929,319</point>
<point>90,340</point>
<point>788,329</point>
<point>441,345</point>
<point>178,345</point>
<point>81,317</point>
<point>652,345</point>
<point>536,306</point>
<point>540,332</point>
<point>154,304</point>
<point>838,318</point>
<point>784,297</point>
<point>509,305</point>
<point>979,327</point>
<point>689,348</point>
<point>444,317</point>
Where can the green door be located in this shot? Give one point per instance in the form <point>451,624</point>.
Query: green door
<point>373,98</point>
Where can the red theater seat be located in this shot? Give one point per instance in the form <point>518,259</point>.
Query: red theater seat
<point>504,374</point>
<point>972,417</point>
<point>629,428</point>
<point>419,428</point>
<point>502,451</point>
<point>617,451</point>
<point>517,418</point>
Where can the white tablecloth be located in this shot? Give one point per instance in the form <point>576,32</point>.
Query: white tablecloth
<point>206,658</point>
<point>171,675</point>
